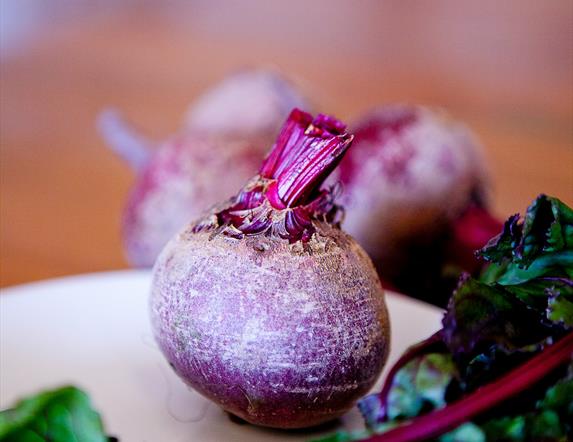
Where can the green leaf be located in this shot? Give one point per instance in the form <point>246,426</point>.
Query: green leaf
<point>344,436</point>
<point>62,415</point>
<point>535,294</point>
<point>544,425</point>
<point>508,428</point>
<point>480,316</point>
<point>560,309</point>
<point>467,432</point>
<point>534,259</point>
<point>551,418</point>
<point>547,228</point>
<point>547,426</point>
<point>421,385</point>
<point>339,436</point>
<point>559,398</point>
<point>559,264</point>
<point>500,248</point>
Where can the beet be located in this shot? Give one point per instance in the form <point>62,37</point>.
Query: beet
<point>264,305</point>
<point>411,173</point>
<point>182,180</point>
<point>183,177</point>
<point>250,102</point>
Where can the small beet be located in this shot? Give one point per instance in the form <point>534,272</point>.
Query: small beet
<point>412,171</point>
<point>250,102</point>
<point>187,175</point>
<point>264,305</point>
<point>201,165</point>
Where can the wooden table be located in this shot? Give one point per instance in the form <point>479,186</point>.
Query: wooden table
<point>62,191</point>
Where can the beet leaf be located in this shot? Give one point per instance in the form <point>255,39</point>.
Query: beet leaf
<point>64,414</point>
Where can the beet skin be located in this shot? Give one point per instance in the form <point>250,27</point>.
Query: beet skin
<point>284,337</point>
<point>264,305</point>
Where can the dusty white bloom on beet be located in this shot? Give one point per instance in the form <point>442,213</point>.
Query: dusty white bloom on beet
<point>250,102</point>
<point>226,135</point>
<point>264,305</point>
<point>411,172</point>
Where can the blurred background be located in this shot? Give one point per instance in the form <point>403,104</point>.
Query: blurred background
<point>506,68</point>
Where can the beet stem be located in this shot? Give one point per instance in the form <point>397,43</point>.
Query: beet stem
<point>124,139</point>
<point>284,198</point>
<point>305,153</point>
<point>517,380</point>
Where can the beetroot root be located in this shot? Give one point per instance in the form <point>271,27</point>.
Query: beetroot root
<point>265,306</point>
<point>185,177</point>
<point>225,135</point>
<point>284,337</point>
<point>411,174</point>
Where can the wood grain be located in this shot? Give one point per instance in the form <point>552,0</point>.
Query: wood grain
<point>62,191</point>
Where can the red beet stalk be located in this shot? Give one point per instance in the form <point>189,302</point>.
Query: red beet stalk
<point>305,153</point>
<point>516,381</point>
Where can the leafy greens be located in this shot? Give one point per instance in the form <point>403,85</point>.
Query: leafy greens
<point>501,366</point>
<point>62,415</point>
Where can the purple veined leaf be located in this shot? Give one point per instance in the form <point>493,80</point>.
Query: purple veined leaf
<point>375,406</point>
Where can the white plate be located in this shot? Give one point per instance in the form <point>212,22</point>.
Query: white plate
<point>92,331</point>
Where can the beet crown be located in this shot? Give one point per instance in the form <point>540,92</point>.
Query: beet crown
<point>284,198</point>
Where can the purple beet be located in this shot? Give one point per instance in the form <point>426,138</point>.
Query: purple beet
<point>250,102</point>
<point>226,134</point>
<point>411,173</point>
<point>264,305</point>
